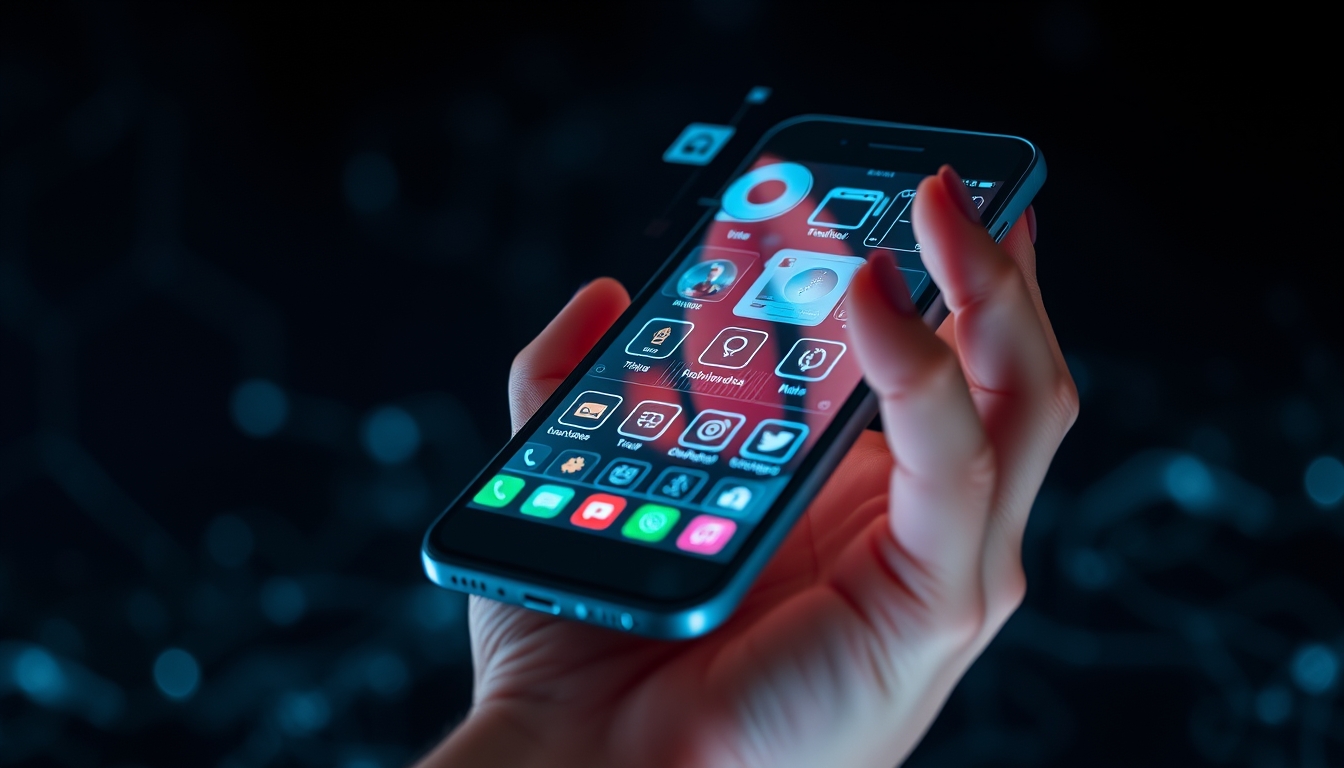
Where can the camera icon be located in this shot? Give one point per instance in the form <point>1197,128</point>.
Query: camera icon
<point>712,430</point>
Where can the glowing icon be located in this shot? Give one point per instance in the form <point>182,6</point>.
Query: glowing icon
<point>706,535</point>
<point>651,522</point>
<point>659,338</point>
<point>733,348</point>
<point>712,430</point>
<point>698,144</point>
<point>661,335</point>
<point>532,457</point>
<point>624,473</point>
<point>846,208</point>
<point>678,484</point>
<point>598,511</point>
<point>810,359</point>
<point>573,465</point>
<point>734,344</point>
<point>649,420</point>
<point>740,204</point>
<point>774,441</point>
<point>590,409</point>
<point>499,491</point>
<point>735,498</point>
<point>547,501</point>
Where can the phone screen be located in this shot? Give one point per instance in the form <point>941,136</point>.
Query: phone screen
<point>693,420</point>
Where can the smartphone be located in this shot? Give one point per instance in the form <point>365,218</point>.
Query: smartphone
<point>649,491</point>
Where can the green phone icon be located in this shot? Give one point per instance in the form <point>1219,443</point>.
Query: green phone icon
<point>499,491</point>
<point>650,522</point>
<point>547,501</point>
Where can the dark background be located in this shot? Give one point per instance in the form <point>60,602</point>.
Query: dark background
<point>262,272</point>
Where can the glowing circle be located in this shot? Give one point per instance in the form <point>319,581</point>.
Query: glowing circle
<point>177,674</point>
<point>1324,481</point>
<point>38,674</point>
<point>259,408</point>
<point>1274,704</point>
<point>283,601</point>
<point>797,181</point>
<point>391,435</point>
<point>1190,484</point>
<point>1315,668</point>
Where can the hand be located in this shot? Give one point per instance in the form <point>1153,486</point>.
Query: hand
<point>900,573</point>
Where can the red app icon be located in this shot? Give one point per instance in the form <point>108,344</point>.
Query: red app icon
<point>598,511</point>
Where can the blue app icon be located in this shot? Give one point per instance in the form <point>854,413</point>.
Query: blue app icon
<point>698,144</point>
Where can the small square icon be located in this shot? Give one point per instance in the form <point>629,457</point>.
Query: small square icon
<point>732,497</point>
<point>846,208</point>
<point>530,458</point>
<point>499,491</point>
<point>547,501</point>
<point>810,359</point>
<point>712,430</point>
<point>733,348</point>
<point>598,512</point>
<point>659,338</point>
<point>709,274</point>
<point>649,420</point>
<point>774,441</point>
<point>678,484</point>
<point>706,535</point>
<point>651,522</point>
<point>623,473</point>
<point>698,144</point>
<point>798,287</point>
<point>573,465</point>
<point>590,410</point>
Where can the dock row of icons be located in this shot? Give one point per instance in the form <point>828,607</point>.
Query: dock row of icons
<point>680,484</point>
<point>734,348</point>
<point>703,535</point>
<point>772,440</point>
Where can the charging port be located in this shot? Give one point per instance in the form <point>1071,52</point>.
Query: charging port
<point>543,604</point>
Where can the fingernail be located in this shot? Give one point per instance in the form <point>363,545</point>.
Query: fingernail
<point>957,188</point>
<point>891,283</point>
<point>1031,223</point>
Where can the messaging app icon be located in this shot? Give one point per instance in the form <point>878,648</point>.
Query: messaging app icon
<point>547,501</point>
<point>706,535</point>
<point>499,491</point>
<point>651,522</point>
<point>774,441</point>
<point>598,512</point>
<point>590,410</point>
<point>810,359</point>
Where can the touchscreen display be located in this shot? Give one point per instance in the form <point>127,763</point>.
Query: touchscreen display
<point>693,420</point>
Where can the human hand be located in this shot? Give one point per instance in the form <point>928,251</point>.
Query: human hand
<point>900,573</point>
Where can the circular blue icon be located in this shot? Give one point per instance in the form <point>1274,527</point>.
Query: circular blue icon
<point>797,181</point>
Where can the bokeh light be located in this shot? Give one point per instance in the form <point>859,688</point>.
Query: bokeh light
<point>177,674</point>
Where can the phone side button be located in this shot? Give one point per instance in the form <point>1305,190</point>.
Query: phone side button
<point>543,604</point>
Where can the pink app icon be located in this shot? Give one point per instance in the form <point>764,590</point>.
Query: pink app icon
<point>706,535</point>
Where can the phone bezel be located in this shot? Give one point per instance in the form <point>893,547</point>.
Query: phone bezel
<point>654,580</point>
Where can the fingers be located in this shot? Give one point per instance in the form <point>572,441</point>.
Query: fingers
<point>944,465</point>
<point>540,367</point>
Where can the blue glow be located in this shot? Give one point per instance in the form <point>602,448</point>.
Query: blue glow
<point>387,674</point>
<point>361,762</point>
<point>1325,481</point>
<point>177,674</point>
<point>1274,704</point>
<point>259,408</point>
<point>695,622</point>
<point>1089,569</point>
<point>758,95</point>
<point>370,183</point>
<point>391,435</point>
<point>302,713</point>
<point>229,540</point>
<point>1315,668</point>
<point>38,674</point>
<point>146,614</point>
<point>283,601</point>
<point>436,609</point>
<point>1190,484</point>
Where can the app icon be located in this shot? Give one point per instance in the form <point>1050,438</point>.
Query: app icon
<point>651,522</point>
<point>810,359</point>
<point>573,465</point>
<point>765,192</point>
<point>531,457</point>
<point>709,274</point>
<point>598,511</point>
<point>678,484</point>
<point>774,441</point>
<point>846,208</point>
<point>712,430</point>
<point>706,535</point>
<point>499,491</point>
<point>659,338</point>
<point>698,143</point>
<point>547,501</point>
<point>733,348</point>
<point>893,230</point>
<point>649,420</point>
<point>798,287</point>
<point>590,410</point>
<point>623,473</point>
<point>732,496</point>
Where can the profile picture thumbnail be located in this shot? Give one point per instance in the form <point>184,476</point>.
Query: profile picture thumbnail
<point>709,274</point>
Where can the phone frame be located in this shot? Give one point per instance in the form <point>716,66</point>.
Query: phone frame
<point>668,595</point>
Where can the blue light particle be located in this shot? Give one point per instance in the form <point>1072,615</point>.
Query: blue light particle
<point>1315,668</point>
<point>436,609</point>
<point>259,408</point>
<point>1190,484</point>
<point>1274,704</point>
<point>391,435</point>
<point>387,674</point>
<point>229,540</point>
<point>1324,481</point>
<point>283,601</point>
<point>370,183</point>
<point>304,712</point>
<point>177,674</point>
<point>38,674</point>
